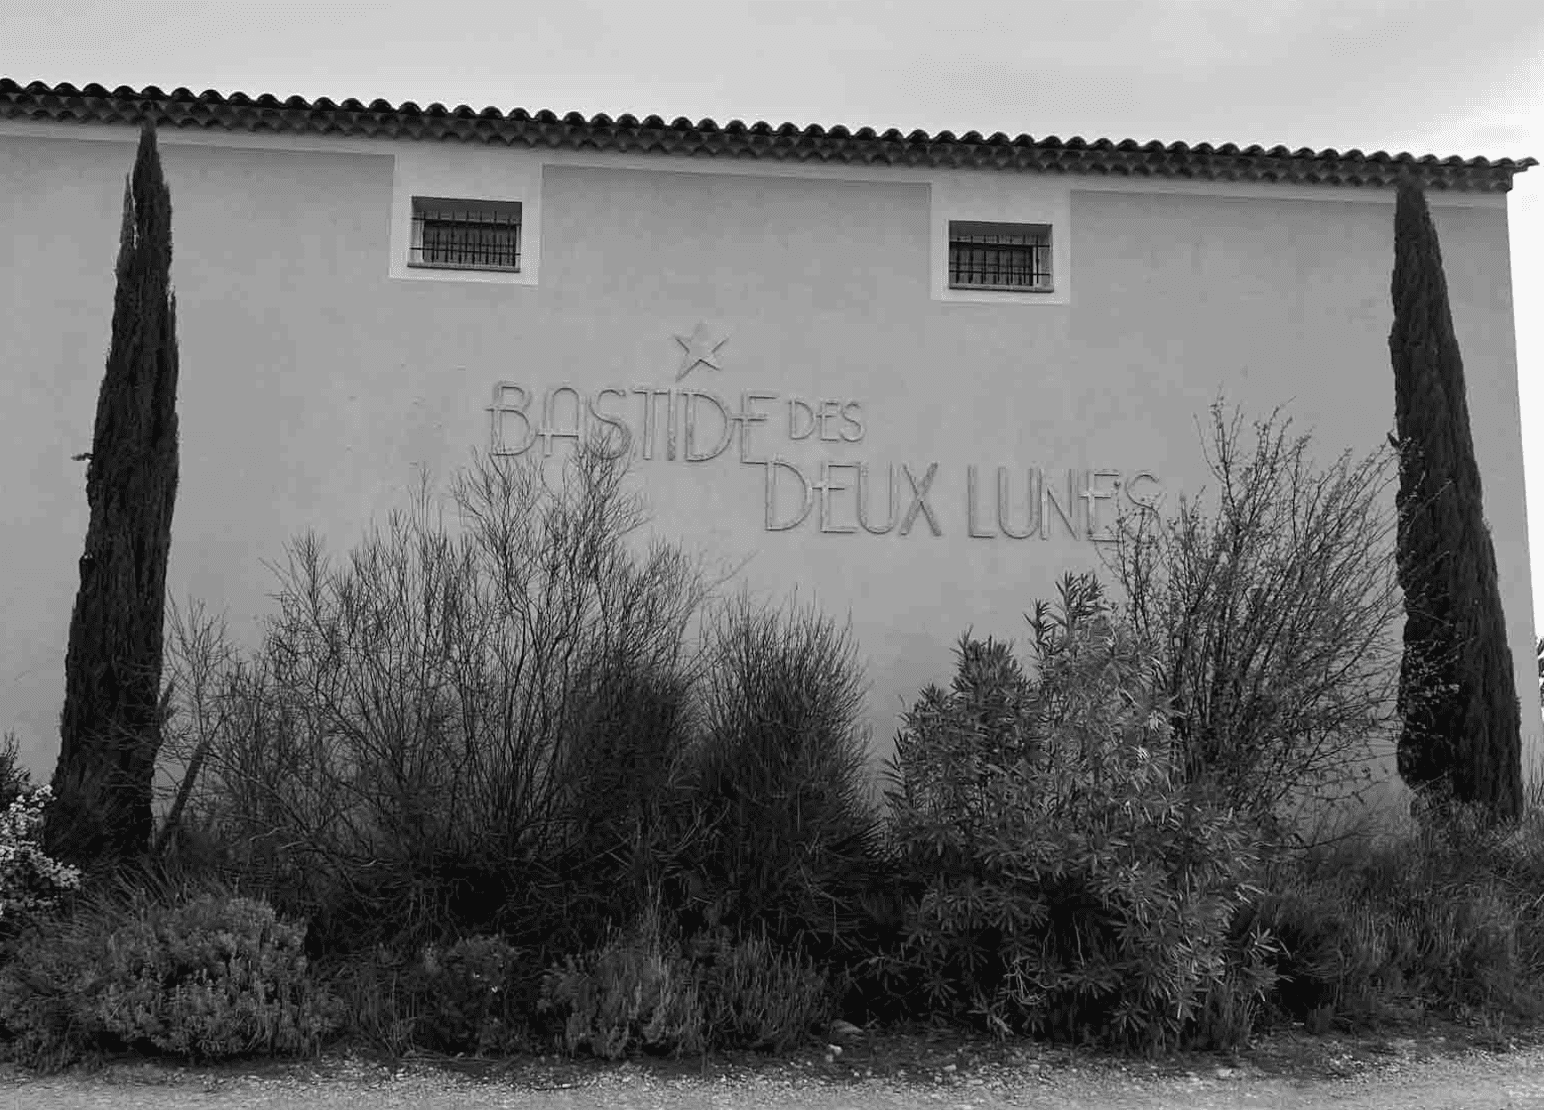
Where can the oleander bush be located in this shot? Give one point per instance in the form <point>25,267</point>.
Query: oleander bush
<point>1074,885</point>
<point>212,977</point>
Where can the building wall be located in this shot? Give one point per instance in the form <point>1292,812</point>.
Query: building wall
<point>320,376</point>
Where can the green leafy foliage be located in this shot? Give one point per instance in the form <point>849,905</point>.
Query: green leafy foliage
<point>469,996</point>
<point>215,977</point>
<point>1072,884</point>
<point>30,881</point>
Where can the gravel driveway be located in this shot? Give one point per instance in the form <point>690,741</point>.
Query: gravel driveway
<point>1478,1080</point>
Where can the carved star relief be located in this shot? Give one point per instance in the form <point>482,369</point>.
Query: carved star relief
<point>701,346</point>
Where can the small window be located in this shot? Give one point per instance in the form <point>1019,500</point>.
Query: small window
<point>1012,257</point>
<point>465,234</point>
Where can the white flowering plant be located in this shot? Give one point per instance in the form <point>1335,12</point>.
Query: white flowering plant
<point>29,879</point>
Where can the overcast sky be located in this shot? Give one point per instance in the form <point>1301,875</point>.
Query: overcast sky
<point>1428,76</point>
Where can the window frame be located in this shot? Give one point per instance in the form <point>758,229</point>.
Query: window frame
<point>498,212</point>
<point>1043,253</point>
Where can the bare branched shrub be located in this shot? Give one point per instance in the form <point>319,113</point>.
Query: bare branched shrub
<point>418,743</point>
<point>204,675</point>
<point>1275,611</point>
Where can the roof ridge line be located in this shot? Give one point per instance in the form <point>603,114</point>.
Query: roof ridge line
<point>182,108</point>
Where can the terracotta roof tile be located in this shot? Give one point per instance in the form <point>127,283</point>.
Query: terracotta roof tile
<point>211,110</point>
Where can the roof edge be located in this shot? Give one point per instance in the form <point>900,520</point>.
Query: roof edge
<point>183,109</point>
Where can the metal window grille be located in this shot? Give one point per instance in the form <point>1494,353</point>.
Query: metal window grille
<point>465,235</point>
<point>1002,257</point>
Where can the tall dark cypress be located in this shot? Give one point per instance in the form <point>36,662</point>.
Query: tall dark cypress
<point>1457,692</point>
<point>110,729</point>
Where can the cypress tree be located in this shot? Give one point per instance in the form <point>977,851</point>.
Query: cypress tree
<point>110,728</point>
<point>1461,725</point>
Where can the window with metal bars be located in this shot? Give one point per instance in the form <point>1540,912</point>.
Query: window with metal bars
<point>1013,257</point>
<point>466,234</point>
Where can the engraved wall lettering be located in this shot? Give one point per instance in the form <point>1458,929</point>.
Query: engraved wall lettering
<point>800,411</point>
<point>852,418</point>
<point>697,426</point>
<point>1093,495</point>
<point>748,418</point>
<point>1149,503</point>
<point>863,500</point>
<point>504,408</point>
<point>827,487</point>
<point>647,423</point>
<point>1067,510</point>
<point>773,465</point>
<point>1031,504</point>
<point>919,500</point>
<point>670,425</point>
<point>689,404</point>
<point>549,417</point>
<point>972,525</point>
<point>830,413</point>
<point>617,440</point>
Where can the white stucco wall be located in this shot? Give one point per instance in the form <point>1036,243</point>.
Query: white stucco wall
<point>320,375</point>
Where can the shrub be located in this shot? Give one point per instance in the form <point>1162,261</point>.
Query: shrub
<point>459,728</point>
<point>636,992</point>
<point>468,996</point>
<point>1072,884</point>
<point>30,881</point>
<point>205,679</point>
<point>1446,920</point>
<point>641,992</point>
<point>522,726</point>
<point>216,977</point>
<point>1274,617</point>
<point>380,1007</point>
<point>758,997</point>
<point>1238,1003</point>
<point>776,832</point>
<point>622,770</point>
<point>16,780</point>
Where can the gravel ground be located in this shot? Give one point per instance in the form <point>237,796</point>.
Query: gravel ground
<point>1476,1079</point>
